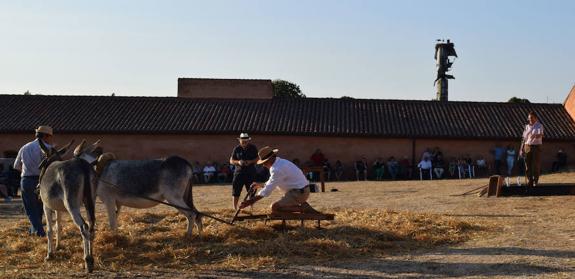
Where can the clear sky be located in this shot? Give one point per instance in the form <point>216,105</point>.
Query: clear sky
<point>364,49</point>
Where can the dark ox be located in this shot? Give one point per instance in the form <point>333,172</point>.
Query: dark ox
<point>133,183</point>
<point>66,186</point>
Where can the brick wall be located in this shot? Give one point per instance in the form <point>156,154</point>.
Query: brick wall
<point>347,149</point>
<point>570,103</point>
<point>225,88</point>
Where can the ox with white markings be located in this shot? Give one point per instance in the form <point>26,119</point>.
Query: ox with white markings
<point>146,183</point>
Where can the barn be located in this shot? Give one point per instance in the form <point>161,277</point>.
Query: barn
<point>204,120</point>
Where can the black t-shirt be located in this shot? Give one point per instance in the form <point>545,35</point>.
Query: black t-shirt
<point>249,153</point>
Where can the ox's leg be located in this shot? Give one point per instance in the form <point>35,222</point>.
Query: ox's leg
<point>118,209</point>
<point>190,215</point>
<point>49,232</point>
<point>85,231</point>
<point>112,216</point>
<point>58,228</point>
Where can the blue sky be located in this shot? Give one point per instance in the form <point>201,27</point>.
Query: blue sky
<point>364,49</point>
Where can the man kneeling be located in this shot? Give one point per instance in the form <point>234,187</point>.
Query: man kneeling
<point>288,178</point>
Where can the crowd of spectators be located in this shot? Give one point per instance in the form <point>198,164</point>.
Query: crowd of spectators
<point>213,172</point>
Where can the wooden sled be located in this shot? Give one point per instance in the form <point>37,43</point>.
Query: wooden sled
<point>290,216</point>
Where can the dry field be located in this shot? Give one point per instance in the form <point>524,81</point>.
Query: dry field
<point>382,229</point>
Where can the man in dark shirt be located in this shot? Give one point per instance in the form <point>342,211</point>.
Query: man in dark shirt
<point>244,157</point>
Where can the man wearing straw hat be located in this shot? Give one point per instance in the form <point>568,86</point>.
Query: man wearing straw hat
<point>244,156</point>
<point>288,178</point>
<point>28,162</point>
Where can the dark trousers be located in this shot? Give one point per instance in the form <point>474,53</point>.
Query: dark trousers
<point>32,204</point>
<point>241,180</point>
<point>532,163</point>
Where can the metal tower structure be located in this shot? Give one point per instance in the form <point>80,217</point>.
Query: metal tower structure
<point>443,51</point>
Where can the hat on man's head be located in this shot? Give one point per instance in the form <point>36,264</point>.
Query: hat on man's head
<point>47,130</point>
<point>244,136</point>
<point>265,154</point>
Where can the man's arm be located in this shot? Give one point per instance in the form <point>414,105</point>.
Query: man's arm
<point>256,198</point>
<point>18,161</point>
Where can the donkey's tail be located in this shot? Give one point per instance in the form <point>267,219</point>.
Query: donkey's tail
<point>89,199</point>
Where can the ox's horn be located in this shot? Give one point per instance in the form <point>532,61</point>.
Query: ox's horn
<point>64,149</point>
<point>80,148</point>
<point>96,143</point>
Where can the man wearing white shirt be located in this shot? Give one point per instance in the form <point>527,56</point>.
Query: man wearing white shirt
<point>28,162</point>
<point>532,141</point>
<point>288,178</point>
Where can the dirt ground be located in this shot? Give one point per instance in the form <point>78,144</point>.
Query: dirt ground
<point>535,236</point>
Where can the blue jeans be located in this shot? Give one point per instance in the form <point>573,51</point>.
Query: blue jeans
<point>32,204</point>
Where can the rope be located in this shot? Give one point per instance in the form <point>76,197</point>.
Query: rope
<point>470,191</point>
<point>168,204</point>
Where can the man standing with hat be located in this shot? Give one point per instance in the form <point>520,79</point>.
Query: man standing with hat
<point>28,162</point>
<point>244,156</point>
<point>288,178</point>
<point>531,149</point>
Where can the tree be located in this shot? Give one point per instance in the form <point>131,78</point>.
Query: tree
<point>286,89</point>
<point>27,92</point>
<point>516,100</point>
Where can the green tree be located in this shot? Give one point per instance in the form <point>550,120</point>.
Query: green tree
<point>516,100</point>
<point>286,89</point>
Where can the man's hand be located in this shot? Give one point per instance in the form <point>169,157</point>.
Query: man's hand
<point>249,202</point>
<point>256,186</point>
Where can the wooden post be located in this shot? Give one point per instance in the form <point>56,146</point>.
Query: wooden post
<point>494,187</point>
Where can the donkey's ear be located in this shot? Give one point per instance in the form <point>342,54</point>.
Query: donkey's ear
<point>65,149</point>
<point>80,148</point>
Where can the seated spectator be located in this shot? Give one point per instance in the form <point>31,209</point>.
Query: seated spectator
<point>405,167</point>
<point>453,167</point>
<point>435,154</point>
<point>439,166</point>
<point>481,164</point>
<point>393,167</point>
<point>338,170</point>
<point>378,168</point>
<point>209,172</point>
<point>361,168</point>
<point>224,173</point>
<point>426,154</point>
<point>327,170</point>
<point>560,161</point>
<point>197,172</point>
<point>425,166</point>
<point>307,165</point>
<point>464,167</point>
<point>3,187</point>
<point>317,160</point>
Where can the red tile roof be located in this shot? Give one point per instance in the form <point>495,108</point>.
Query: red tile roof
<point>309,116</point>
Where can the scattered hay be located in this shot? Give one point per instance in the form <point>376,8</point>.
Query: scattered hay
<point>152,241</point>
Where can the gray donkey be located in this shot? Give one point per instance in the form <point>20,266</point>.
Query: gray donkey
<point>142,183</point>
<point>66,186</point>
